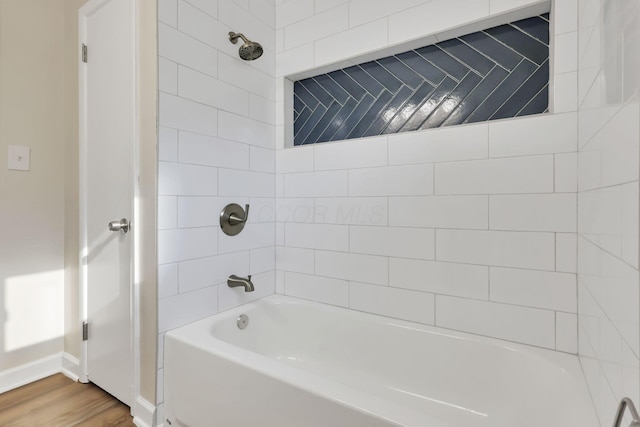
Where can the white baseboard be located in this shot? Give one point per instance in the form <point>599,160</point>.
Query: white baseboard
<point>143,413</point>
<point>70,366</point>
<point>30,372</point>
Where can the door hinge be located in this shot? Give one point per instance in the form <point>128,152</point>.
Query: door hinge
<point>84,52</point>
<point>85,331</point>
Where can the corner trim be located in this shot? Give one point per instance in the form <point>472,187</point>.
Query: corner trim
<point>71,367</point>
<point>143,413</point>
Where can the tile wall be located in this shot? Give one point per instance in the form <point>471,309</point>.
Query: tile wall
<point>609,149</point>
<point>497,73</point>
<point>471,228</point>
<point>217,140</point>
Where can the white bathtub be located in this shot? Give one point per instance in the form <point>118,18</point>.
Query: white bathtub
<point>303,364</point>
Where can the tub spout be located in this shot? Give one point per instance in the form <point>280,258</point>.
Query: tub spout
<point>234,281</point>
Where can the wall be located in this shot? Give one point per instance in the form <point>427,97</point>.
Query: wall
<point>469,228</point>
<point>216,147</point>
<point>32,203</point>
<point>609,141</point>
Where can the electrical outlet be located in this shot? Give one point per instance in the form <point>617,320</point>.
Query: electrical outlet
<point>19,158</point>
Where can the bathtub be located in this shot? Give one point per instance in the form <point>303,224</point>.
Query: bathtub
<point>304,364</point>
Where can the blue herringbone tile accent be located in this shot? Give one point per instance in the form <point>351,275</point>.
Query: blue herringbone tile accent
<point>492,74</point>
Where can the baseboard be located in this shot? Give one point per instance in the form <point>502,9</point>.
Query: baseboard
<point>30,372</point>
<point>70,366</point>
<point>143,413</point>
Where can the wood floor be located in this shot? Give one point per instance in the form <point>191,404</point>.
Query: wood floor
<point>58,401</point>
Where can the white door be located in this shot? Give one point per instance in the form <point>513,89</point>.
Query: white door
<point>107,116</point>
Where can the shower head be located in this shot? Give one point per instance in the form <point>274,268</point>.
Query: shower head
<point>249,50</point>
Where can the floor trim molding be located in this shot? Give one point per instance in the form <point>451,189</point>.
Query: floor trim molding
<point>33,371</point>
<point>143,413</point>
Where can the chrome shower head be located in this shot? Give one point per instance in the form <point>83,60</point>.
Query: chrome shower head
<point>249,50</point>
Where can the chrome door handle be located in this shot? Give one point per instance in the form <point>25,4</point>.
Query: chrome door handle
<point>121,226</point>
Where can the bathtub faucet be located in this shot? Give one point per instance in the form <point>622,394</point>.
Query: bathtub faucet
<point>234,281</point>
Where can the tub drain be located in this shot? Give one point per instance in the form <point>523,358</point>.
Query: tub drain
<point>242,321</point>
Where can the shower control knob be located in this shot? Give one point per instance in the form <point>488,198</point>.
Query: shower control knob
<point>121,226</point>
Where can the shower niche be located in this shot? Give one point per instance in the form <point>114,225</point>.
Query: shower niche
<point>496,73</point>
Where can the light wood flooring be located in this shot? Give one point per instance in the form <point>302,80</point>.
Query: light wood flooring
<point>58,401</point>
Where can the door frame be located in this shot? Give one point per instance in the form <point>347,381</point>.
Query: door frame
<point>134,313</point>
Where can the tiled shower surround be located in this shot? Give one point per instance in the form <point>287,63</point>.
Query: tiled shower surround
<point>470,227</point>
<point>497,73</point>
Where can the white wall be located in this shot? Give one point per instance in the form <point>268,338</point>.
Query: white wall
<point>217,117</point>
<point>609,141</point>
<point>32,113</point>
<point>471,228</point>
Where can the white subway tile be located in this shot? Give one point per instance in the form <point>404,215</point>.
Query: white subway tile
<point>321,5</point>
<point>209,151</point>
<point>532,135</point>
<point>264,283</point>
<point>179,113</point>
<point>392,302</point>
<point>316,27</point>
<point>265,10</point>
<point>262,109</point>
<point>262,209</point>
<point>279,282</point>
<point>253,236</point>
<point>315,288</point>
<point>262,260</point>
<point>456,143</point>
<point>184,244</point>
<point>262,160</point>
<point>353,42</point>
<point>567,332</point>
<point>566,252</point>
<point>294,210</point>
<point>355,267</point>
<point>612,156</point>
<point>210,91</point>
<point>363,11</point>
<point>629,223</point>
<point>463,280</point>
<point>279,185</point>
<point>531,288</point>
<point>358,153</point>
<point>565,14</point>
<point>203,27</point>
<point>215,270</point>
<point>496,176</point>
<point>167,144</point>
<point>434,17</point>
<point>293,11</point>
<point>497,248</point>
<point>295,259</point>
<point>316,184</point>
<point>182,309</point>
<point>317,236</point>
<point>167,212</point>
<point>167,76</point>
<point>440,212</point>
<point>202,211</point>
<point>295,159</point>
<point>566,52</point>
<point>600,217</point>
<point>242,129</point>
<point>520,324</point>
<point>210,7</point>
<point>565,92</point>
<point>168,12</point>
<point>243,75</point>
<point>351,210</point>
<point>500,6</point>
<point>295,60</point>
<point>186,180</point>
<point>533,212</point>
<point>411,180</point>
<point>393,241</point>
<point>182,49</point>
<point>246,183</point>
<point>566,173</point>
<point>167,280</point>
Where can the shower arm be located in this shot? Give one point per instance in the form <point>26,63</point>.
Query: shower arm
<point>233,37</point>
<point>624,404</point>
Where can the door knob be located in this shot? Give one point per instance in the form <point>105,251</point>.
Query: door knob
<point>121,226</point>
